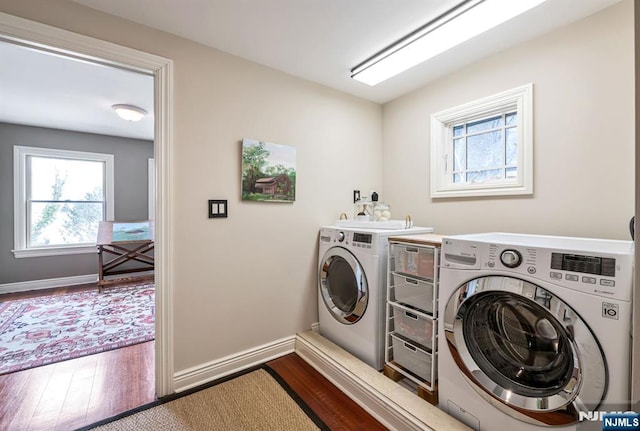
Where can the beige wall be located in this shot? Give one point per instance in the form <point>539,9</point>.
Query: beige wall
<point>250,279</point>
<point>583,78</point>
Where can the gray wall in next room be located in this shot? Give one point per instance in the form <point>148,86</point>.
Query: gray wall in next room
<point>131,185</point>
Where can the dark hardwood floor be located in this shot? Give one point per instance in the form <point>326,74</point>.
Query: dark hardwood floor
<point>75,393</point>
<point>70,394</point>
<point>337,410</point>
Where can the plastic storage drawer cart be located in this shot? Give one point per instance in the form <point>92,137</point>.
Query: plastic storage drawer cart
<point>411,341</point>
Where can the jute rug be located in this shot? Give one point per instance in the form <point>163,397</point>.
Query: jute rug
<point>256,401</point>
<point>44,330</point>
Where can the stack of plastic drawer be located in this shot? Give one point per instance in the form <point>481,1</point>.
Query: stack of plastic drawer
<point>412,295</point>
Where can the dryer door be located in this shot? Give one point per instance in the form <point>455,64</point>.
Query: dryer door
<point>343,285</point>
<point>525,350</point>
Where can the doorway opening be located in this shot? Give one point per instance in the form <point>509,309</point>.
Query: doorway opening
<point>57,42</point>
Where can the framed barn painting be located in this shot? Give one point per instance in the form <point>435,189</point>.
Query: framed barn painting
<point>268,171</point>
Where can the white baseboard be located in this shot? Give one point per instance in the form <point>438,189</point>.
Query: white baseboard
<point>357,388</point>
<point>390,403</point>
<point>23,286</point>
<point>222,367</point>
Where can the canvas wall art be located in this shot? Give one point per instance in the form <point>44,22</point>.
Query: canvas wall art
<point>268,171</point>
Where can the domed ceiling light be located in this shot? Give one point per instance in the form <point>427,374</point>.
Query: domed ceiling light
<point>129,112</point>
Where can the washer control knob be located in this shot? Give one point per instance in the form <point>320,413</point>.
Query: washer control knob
<point>340,236</point>
<point>511,258</point>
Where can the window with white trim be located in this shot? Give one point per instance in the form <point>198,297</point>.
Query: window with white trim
<point>484,148</point>
<point>60,196</point>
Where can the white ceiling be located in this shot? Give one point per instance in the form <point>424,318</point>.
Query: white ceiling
<point>48,90</point>
<point>317,40</point>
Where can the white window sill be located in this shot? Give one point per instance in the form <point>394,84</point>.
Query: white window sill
<point>482,190</point>
<point>54,251</point>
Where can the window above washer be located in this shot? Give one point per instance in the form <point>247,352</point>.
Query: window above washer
<point>485,147</point>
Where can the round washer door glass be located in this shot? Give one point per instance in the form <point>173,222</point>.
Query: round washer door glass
<point>525,348</point>
<point>343,285</point>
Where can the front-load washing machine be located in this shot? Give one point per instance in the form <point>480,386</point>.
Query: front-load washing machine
<point>352,288</point>
<point>535,331</point>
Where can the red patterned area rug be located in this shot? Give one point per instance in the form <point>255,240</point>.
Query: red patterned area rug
<point>44,330</point>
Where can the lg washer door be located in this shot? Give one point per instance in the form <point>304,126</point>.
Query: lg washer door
<point>343,285</point>
<point>524,350</point>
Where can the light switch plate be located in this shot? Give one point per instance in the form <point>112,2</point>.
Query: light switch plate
<point>217,208</point>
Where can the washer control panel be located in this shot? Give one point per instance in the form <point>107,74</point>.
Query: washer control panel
<point>600,271</point>
<point>521,258</point>
<point>605,266</point>
<point>511,258</point>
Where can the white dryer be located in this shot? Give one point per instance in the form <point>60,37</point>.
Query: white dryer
<point>352,288</point>
<point>538,326</point>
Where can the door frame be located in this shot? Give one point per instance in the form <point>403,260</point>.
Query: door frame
<point>52,39</point>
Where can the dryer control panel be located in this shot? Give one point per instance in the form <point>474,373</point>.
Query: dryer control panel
<point>362,242</point>
<point>600,267</point>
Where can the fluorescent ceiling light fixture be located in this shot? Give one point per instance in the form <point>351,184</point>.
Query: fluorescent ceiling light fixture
<point>129,112</point>
<point>458,25</point>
